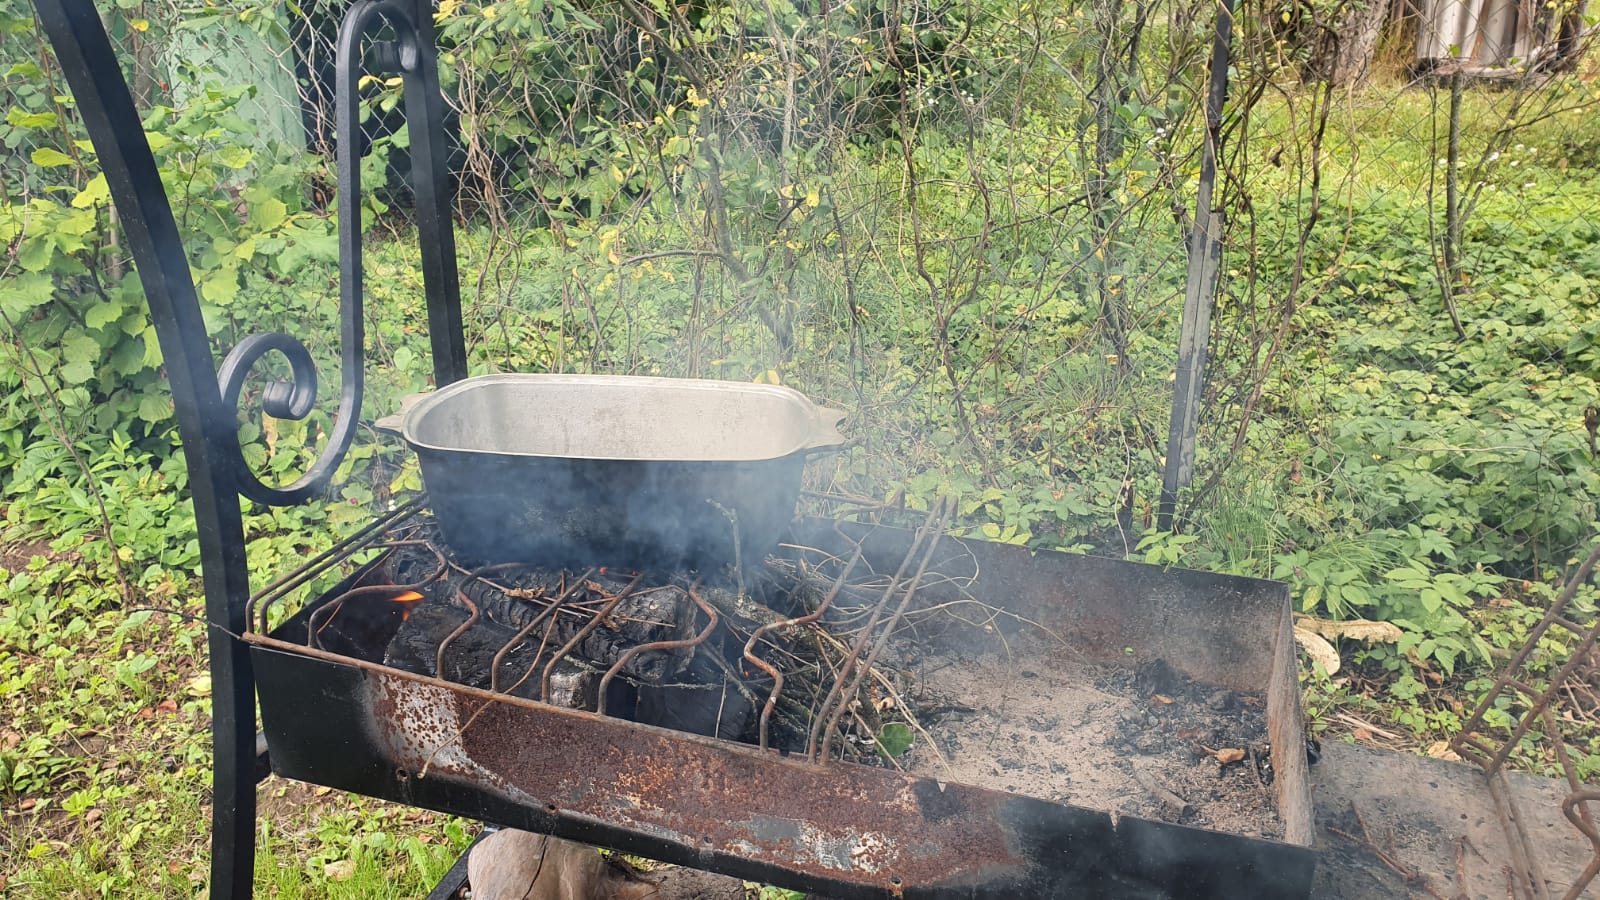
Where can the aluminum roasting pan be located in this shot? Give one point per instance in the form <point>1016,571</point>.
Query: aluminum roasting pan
<point>614,469</point>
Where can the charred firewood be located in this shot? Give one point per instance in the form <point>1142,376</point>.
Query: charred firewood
<point>514,596</point>
<point>468,656</point>
<point>703,702</point>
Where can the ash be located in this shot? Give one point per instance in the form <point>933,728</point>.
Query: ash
<point>1053,726</point>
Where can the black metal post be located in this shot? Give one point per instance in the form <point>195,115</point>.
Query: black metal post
<point>430,179</point>
<point>204,423</point>
<point>206,401</point>
<point>1205,250</point>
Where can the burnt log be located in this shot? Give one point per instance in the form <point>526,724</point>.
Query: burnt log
<point>514,596</point>
<point>704,702</point>
<point>549,608</point>
<point>469,657</point>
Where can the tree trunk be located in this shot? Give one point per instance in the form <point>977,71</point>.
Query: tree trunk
<point>1359,28</point>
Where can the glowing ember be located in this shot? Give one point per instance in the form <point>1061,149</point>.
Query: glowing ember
<point>405,600</point>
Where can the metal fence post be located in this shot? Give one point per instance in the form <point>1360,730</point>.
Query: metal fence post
<point>1205,252</point>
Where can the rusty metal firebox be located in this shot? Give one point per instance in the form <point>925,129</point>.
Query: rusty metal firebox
<point>841,829</point>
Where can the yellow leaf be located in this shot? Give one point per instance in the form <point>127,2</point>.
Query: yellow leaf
<point>140,25</point>
<point>1355,629</point>
<point>1441,750</point>
<point>1318,648</point>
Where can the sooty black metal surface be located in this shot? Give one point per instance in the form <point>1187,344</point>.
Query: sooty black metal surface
<point>838,829</point>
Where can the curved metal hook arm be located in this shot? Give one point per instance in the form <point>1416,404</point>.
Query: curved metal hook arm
<point>294,399</point>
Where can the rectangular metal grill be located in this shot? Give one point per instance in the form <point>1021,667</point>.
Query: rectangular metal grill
<point>803,817</point>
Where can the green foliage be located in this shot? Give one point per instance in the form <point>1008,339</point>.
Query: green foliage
<point>552,91</point>
<point>894,739</point>
<point>83,362</point>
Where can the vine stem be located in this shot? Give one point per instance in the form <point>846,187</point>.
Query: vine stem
<point>1452,206</point>
<point>58,424</point>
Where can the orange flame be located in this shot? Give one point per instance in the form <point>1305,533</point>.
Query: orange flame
<point>405,600</point>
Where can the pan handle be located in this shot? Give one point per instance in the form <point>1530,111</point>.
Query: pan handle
<point>825,435</point>
<point>395,422</point>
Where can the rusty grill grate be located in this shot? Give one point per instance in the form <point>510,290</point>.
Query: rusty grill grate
<point>1048,702</point>
<point>799,637</point>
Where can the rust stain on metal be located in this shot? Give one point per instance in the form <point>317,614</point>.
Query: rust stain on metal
<point>831,821</point>
<point>422,724</point>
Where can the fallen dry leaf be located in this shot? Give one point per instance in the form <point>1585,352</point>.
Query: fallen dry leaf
<point>1355,629</point>
<point>1361,734</point>
<point>1318,648</point>
<point>1226,756</point>
<point>1441,750</point>
<point>92,815</point>
<point>1162,699</point>
<point>168,705</point>
<point>340,870</point>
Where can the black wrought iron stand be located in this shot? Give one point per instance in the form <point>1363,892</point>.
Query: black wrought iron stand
<point>206,398</point>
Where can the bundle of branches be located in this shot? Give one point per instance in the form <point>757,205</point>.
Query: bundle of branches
<point>814,651</point>
<point>794,653</point>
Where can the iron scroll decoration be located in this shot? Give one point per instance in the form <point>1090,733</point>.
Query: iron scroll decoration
<point>295,398</point>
